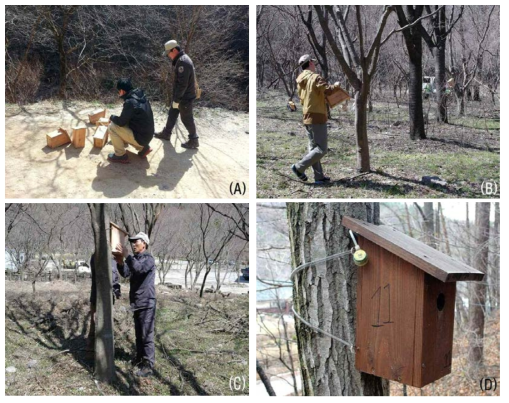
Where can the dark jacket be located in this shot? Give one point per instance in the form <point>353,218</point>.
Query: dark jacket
<point>137,113</point>
<point>184,90</point>
<point>114,280</point>
<point>141,269</point>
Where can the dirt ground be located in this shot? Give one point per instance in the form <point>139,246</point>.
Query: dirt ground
<point>202,344</point>
<point>33,170</point>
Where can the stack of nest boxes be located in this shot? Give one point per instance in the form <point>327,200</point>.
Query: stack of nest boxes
<point>98,117</point>
<point>60,137</point>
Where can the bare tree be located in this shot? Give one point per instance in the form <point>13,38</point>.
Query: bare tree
<point>478,289</point>
<point>436,39</point>
<point>214,236</point>
<point>325,296</point>
<point>104,345</point>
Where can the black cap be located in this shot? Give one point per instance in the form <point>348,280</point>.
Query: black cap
<point>124,84</point>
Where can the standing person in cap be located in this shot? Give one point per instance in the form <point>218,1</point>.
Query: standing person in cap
<point>134,126</point>
<point>312,90</point>
<point>141,270</point>
<point>184,93</point>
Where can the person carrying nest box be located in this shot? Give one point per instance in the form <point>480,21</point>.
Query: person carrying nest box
<point>312,90</point>
<point>185,91</point>
<point>134,126</point>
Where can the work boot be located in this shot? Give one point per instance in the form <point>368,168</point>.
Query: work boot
<point>191,143</point>
<point>162,135</point>
<point>144,371</point>
<point>302,176</point>
<point>124,159</point>
<point>146,151</point>
<point>324,181</point>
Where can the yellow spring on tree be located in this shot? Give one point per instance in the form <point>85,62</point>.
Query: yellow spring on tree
<point>360,257</point>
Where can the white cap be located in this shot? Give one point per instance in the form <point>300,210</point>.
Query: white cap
<point>168,46</point>
<point>140,235</point>
<point>306,58</point>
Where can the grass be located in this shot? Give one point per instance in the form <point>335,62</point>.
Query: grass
<point>462,154</point>
<point>200,344</point>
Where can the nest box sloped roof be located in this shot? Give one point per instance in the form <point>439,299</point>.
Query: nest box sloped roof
<point>424,257</point>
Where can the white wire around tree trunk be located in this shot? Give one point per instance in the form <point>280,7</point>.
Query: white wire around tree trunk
<point>316,328</point>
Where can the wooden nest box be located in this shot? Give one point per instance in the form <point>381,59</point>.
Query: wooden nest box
<point>337,97</point>
<point>79,135</point>
<point>102,122</point>
<point>101,136</point>
<point>406,295</point>
<point>95,115</point>
<point>57,138</point>
<point>117,236</point>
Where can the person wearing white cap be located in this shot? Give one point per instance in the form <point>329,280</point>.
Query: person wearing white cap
<point>184,93</point>
<point>141,270</point>
<point>312,89</point>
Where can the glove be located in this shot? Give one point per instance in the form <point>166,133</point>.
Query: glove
<point>175,105</point>
<point>336,84</point>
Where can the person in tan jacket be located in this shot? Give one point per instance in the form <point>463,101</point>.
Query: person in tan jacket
<point>312,89</point>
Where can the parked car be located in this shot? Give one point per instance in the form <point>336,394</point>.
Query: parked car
<point>83,267</point>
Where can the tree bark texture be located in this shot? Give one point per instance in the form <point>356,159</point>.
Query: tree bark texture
<point>104,343</point>
<point>325,295</point>
<point>495,277</point>
<point>478,289</point>
<point>361,129</point>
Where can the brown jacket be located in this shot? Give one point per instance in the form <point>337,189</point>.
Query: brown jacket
<point>312,90</point>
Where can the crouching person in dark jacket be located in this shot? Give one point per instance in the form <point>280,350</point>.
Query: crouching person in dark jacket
<point>134,126</point>
<point>141,270</point>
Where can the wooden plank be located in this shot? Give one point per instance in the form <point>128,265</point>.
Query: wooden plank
<point>437,330</point>
<point>95,115</point>
<point>117,236</point>
<point>57,138</point>
<point>101,136</point>
<point>385,332</point>
<point>431,261</point>
<point>78,136</point>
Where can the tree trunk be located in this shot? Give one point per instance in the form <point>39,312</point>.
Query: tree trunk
<point>477,87</point>
<point>265,379</point>
<point>495,277</point>
<point>361,129</point>
<point>207,271</point>
<point>429,224</point>
<point>478,289</point>
<point>104,345</point>
<point>326,295</point>
<point>460,100</point>
<point>441,99</point>
<point>413,42</point>
<point>415,93</point>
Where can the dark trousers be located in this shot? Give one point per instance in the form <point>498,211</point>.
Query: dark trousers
<point>186,115</point>
<point>144,320</point>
